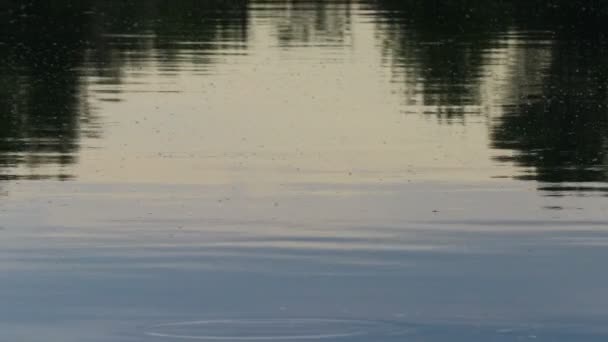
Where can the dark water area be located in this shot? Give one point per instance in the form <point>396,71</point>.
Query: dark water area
<point>257,170</point>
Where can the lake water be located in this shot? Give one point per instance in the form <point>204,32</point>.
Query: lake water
<point>366,170</point>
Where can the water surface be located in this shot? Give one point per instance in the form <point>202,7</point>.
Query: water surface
<point>303,170</point>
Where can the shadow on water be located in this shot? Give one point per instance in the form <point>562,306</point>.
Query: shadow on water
<point>549,111</point>
<point>48,50</point>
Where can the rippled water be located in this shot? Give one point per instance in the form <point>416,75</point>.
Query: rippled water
<point>367,170</point>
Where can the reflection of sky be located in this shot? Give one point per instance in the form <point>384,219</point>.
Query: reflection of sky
<point>110,260</point>
<point>294,113</point>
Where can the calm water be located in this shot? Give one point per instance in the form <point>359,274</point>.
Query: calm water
<point>303,170</point>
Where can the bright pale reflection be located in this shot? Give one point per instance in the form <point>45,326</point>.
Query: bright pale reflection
<point>312,113</point>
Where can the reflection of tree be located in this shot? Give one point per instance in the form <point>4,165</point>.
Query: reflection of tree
<point>166,28</point>
<point>48,48</point>
<point>40,89</point>
<point>563,134</point>
<point>316,21</point>
<point>555,119</point>
<point>438,48</point>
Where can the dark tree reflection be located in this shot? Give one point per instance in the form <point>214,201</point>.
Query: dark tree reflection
<point>554,121</point>
<point>560,135</point>
<point>563,133</point>
<point>440,48</point>
<point>48,48</point>
<point>311,22</point>
<point>40,104</point>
